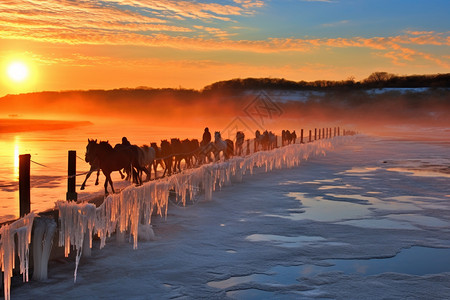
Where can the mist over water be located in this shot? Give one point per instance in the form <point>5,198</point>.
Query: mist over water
<point>146,116</point>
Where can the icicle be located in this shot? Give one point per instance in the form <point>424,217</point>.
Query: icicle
<point>44,231</point>
<point>76,221</point>
<point>23,229</point>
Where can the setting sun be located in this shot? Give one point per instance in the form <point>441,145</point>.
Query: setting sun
<point>18,71</point>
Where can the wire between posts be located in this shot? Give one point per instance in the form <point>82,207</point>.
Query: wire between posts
<point>39,164</point>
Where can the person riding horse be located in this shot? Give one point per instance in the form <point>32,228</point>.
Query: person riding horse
<point>125,142</point>
<point>206,137</point>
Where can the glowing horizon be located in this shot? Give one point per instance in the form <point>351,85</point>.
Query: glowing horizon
<point>166,43</point>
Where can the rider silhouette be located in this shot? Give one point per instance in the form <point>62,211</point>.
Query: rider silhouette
<point>125,142</point>
<point>206,137</point>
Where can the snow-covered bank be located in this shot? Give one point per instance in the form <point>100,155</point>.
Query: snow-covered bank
<point>285,235</point>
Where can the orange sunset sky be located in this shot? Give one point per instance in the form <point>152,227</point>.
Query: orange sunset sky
<point>73,45</point>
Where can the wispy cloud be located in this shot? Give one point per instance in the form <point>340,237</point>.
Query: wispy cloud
<point>187,25</point>
<point>73,21</point>
<point>328,1</point>
<point>335,24</point>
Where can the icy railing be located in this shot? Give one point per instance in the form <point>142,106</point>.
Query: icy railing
<point>22,228</point>
<point>133,207</point>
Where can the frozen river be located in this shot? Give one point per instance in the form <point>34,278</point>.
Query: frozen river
<point>370,220</point>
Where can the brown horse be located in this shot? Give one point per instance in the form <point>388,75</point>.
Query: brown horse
<point>240,137</point>
<point>167,154</point>
<point>110,159</point>
<point>158,158</point>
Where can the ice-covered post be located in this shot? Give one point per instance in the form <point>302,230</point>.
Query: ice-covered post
<point>43,232</point>
<point>24,184</point>
<point>71,195</point>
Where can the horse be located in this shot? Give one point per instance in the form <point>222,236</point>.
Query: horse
<point>94,167</point>
<point>285,137</point>
<point>158,158</point>
<point>193,147</point>
<point>167,154</point>
<point>139,162</point>
<point>178,151</point>
<point>272,140</point>
<point>189,148</point>
<point>146,158</point>
<point>204,152</point>
<point>110,159</point>
<point>288,137</point>
<point>293,137</point>
<point>240,137</point>
<point>258,140</point>
<point>224,146</point>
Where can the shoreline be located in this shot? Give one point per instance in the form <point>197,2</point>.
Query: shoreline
<point>28,125</point>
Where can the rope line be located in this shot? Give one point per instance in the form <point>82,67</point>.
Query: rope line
<point>39,164</point>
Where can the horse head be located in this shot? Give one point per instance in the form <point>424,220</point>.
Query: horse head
<point>217,136</point>
<point>90,150</point>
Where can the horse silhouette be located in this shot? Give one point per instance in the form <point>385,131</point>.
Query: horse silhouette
<point>110,159</point>
<point>158,158</point>
<point>167,154</point>
<point>240,137</point>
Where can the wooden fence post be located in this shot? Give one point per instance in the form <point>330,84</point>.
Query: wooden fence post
<point>310,135</point>
<point>301,136</point>
<point>339,131</point>
<point>71,195</point>
<point>248,146</point>
<point>315,133</point>
<point>24,184</point>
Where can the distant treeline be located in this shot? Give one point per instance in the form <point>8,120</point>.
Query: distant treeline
<point>375,80</point>
<point>426,101</point>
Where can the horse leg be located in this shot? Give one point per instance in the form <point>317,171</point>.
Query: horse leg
<point>137,175</point>
<point>121,174</point>
<point>98,174</point>
<point>108,179</point>
<point>84,182</point>
<point>147,172</point>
